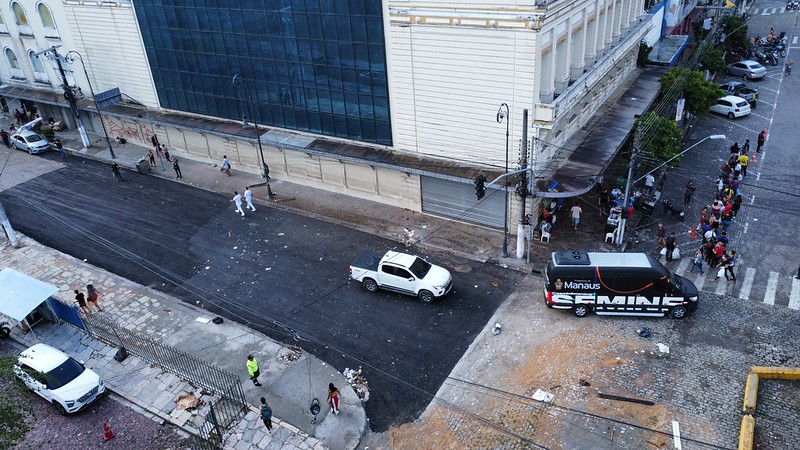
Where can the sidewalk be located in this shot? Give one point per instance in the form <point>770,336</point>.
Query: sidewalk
<point>226,346</point>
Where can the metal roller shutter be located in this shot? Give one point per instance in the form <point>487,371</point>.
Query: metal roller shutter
<point>457,201</point>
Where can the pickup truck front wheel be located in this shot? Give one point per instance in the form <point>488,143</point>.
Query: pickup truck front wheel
<point>370,284</point>
<point>426,296</point>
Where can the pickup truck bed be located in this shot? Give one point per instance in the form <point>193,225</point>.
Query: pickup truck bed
<point>368,260</point>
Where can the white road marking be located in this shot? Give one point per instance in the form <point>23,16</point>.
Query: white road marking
<point>794,297</point>
<point>700,280</point>
<point>772,288</point>
<point>747,284</point>
<point>794,40</point>
<point>722,284</point>
<point>752,199</point>
<point>758,176</point>
<point>683,265</point>
<point>745,227</point>
<point>676,435</point>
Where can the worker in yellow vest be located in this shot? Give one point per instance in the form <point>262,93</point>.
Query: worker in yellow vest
<point>252,369</point>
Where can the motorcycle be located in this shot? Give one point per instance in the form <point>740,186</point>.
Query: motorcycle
<point>674,210</point>
<point>778,49</point>
<point>792,5</point>
<point>767,58</point>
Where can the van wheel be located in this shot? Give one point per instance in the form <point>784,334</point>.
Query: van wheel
<point>678,312</point>
<point>60,409</point>
<point>370,284</point>
<point>581,310</point>
<point>426,296</point>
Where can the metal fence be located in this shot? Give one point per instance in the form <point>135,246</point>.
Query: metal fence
<point>230,403</point>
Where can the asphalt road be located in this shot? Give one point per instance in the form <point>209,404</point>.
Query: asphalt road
<point>281,273</point>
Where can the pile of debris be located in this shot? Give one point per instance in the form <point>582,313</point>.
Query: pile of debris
<point>292,355</point>
<point>358,382</point>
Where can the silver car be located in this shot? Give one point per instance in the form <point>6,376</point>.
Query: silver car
<point>746,69</point>
<point>30,141</point>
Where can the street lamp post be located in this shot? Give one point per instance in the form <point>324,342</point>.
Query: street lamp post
<point>70,57</point>
<point>238,81</point>
<point>503,114</point>
<point>152,126</point>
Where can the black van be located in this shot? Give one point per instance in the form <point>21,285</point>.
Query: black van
<point>623,284</point>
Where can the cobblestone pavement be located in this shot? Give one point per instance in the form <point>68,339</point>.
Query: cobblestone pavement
<point>486,402</point>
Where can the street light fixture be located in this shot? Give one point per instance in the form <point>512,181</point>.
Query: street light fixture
<point>238,81</point>
<point>70,57</point>
<point>152,126</point>
<point>713,136</point>
<point>503,114</point>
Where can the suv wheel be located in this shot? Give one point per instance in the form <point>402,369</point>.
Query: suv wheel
<point>426,296</point>
<point>370,285</point>
<point>60,408</point>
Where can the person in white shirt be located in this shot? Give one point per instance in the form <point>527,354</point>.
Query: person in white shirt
<point>575,213</point>
<point>248,197</point>
<point>237,199</point>
<point>649,181</point>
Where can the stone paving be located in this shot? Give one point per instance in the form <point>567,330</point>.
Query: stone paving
<point>143,384</point>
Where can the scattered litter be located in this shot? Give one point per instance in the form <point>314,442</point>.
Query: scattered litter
<point>235,248</point>
<point>268,269</point>
<point>189,402</point>
<point>280,234</point>
<point>583,382</point>
<point>409,240</point>
<point>643,332</point>
<point>292,355</point>
<point>496,329</point>
<point>543,396</point>
<point>663,348</point>
<point>358,382</point>
<point>625,399</point>
<point>218,320</point>
<point>476,286</point>
<point>208,267</point>
<point>320,258</point>
<point>167,310</point>
<point>495,283</point>
<point>202,320</point>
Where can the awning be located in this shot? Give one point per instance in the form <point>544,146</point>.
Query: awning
<point>21,294</point>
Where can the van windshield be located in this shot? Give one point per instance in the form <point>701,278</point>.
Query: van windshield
<point>675,282</point>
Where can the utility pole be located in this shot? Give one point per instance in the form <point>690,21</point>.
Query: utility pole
<point>634,155</point>
<point>523,163</point>
<point>5,224</point>
<point>69,94</point>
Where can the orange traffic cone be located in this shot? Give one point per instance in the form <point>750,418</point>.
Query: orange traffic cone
<point>107,432</point>
<point>753,159</point>
<point>693,233</point>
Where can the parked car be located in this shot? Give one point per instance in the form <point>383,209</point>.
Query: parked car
<point>740,89</point>
<point>58,378</point>
<point>746,69</point>
<point>30,141</point>
<point>731,106</point>
<point>402,273</point>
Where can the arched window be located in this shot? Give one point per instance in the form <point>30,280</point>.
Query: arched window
<point>39,74</point>
<point>3,27</point>
<point>13,64</point>
<point>21,18</point>
<point>49,25</point>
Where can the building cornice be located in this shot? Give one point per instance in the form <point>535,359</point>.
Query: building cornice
<point>530,19</point>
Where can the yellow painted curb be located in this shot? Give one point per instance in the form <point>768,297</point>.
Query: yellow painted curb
<point>750,393</point>
<point>777,373</point>
<point>746,432</point>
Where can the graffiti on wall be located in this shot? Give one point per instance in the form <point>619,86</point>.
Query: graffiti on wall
<point>128,129</point>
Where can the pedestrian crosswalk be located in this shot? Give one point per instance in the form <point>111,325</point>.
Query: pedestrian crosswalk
<point>771,288</point>
<point>770,10</point>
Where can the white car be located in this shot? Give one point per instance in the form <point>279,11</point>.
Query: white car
<point>30,141</point>
<point>731,106</point>
<point>58,378</point>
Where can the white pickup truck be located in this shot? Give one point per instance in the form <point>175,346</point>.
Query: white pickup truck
<point>402,273</point>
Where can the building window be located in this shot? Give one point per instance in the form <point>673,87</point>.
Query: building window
<point>13,64</point>
<point>3,27</point>
<point>39,74</point>
<point>48,23</point>
<point>21,19</point>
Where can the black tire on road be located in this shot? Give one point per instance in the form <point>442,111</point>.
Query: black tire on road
<point>370,284</point>
<point>426,296</point>
<point>678,312</point>
<point>581,310</point>
<point>60,409</point>
<point>731,115</point>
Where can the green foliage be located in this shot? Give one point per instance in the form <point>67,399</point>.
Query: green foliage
<point>699,93</point>
<point>661,138</point>
<point>713,60</point>
<point>735,30</point>
<point>15,406</point>
<point>48,133</point>
<point>644,55</point>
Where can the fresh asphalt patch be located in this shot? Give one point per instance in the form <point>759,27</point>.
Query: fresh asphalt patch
<point>281,273</point>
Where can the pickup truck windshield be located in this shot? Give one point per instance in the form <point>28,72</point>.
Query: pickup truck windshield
<point>420,268</point>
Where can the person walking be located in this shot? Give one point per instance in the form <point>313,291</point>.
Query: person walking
<point>115,171</point>
<point>60,147</point>
<point>744,160</point>
<point>266,414</point>
<point>670,246</point>
<point>649,181</point>
<point>165,151</point>
<point>687,195</point>
<point>575,212</point>
<point>248,197</point>
<point>788,67</point>
<point>177,168</point>
<point>237,199</point>
<point>661,236</point>
<point>151,158</point>
<point>762,139</point>
<point>93,295</point>
<point>81,299</point>
<point>252,369</point>
<point>697,263</point>
<point>226,165</point>
<point>333,398</point>
<point>746,147</point>
<point>729,262</point>
<point>6,137</point>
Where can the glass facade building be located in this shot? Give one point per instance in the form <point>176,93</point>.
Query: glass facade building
<point>309,65</point>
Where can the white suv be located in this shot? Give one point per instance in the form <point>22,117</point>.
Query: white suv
<point>58,378</point>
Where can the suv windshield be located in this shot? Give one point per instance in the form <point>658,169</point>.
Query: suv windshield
<point>63,374</point>
<point>420,268</point>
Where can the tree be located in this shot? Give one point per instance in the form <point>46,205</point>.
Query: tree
<point>661,139</point>
<point>735,30</point>
<point>15,406</point>
<point>699,93</point>
<point>713,60</point>
<point>644,54</point>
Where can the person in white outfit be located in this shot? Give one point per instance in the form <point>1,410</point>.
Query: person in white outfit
<point>248,196</point>
<point>237,198</point>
